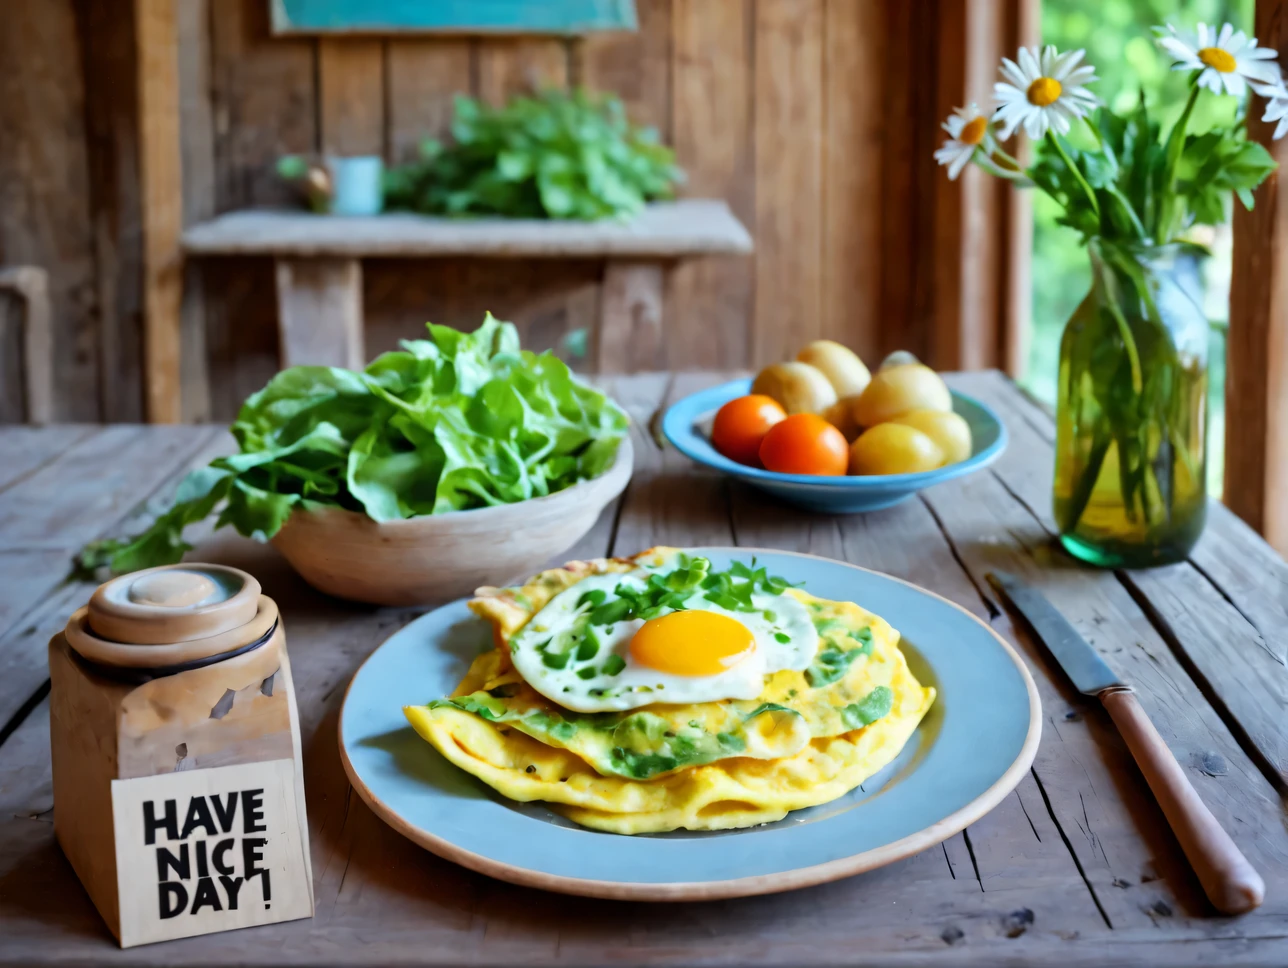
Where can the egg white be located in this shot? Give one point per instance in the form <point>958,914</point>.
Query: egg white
<point>784,635</point>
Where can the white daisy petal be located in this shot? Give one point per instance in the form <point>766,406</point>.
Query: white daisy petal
<point>1005,93</point>
<point>1083,75</point>
<point>1226,30</point>
<point>1065,65</point>
<point>956,167</point>
<point>1011,71</point>
<point>1281,129</point>
<point>1178,49</point>
<point>1029,66</point>
<point>1234,84</point>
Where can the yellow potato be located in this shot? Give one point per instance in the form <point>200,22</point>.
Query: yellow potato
<point>841,416</point>
<point>843,369</point>
<point>947,429</point>
<point>912,386</point>
<point>892,448</point>
<point>799,387</point>
<point>898,358</point>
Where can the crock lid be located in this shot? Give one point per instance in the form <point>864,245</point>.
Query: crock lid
<point>173,603</point>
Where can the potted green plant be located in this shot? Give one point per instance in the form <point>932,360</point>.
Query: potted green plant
<point>1131,417</point>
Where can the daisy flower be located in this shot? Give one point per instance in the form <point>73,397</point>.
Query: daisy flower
<point>1276,95</point>
<point>1043,92</point>
<point>967,130</point>
<point>1226,61</point>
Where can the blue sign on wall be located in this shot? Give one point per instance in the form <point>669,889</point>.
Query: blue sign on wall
<point>451,16</point>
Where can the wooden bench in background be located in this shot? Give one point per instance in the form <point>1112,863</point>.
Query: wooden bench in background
<point>319,265</point>
<point>26,346</point>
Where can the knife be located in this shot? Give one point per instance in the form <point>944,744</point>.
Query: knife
<point>1229,880</point>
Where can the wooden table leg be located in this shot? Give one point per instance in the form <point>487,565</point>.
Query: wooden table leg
<point>319,306</point>
<point>630,318</point>
<point>31,285</point>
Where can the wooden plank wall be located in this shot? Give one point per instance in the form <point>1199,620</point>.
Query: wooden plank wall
<point>815,119</point>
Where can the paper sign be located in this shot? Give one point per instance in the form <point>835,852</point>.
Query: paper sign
<point>209,850</point>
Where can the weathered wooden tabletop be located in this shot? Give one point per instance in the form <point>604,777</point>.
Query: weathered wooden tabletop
<point>1075,867</point>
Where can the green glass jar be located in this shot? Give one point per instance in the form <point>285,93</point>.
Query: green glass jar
<point>1131,416</point>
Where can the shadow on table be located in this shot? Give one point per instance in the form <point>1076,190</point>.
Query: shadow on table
<point>41,887</point>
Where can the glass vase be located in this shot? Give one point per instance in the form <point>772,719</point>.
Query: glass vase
<point>1131,415</point>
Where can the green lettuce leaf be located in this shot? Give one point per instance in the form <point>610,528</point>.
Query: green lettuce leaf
<point>449,423</point>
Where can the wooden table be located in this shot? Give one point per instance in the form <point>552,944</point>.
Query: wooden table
<point>1076,867</point>
<point>319,268</point>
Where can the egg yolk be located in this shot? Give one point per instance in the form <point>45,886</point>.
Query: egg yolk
<point>692,643</point>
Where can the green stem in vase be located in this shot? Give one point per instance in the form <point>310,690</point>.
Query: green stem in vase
<point>1075,170</point>
<point>1163,230</point>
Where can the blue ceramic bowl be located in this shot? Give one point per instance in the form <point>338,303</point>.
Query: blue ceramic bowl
<point>687,423</point>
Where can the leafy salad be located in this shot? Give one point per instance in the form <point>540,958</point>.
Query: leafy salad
<point>450,423</point>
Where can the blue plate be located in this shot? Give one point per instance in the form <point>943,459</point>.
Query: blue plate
<point>969,752</point>
<point>683,421</point>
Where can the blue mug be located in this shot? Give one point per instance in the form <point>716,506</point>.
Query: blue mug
<point>358,185</point>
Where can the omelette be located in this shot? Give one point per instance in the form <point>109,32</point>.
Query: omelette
<point>652,693</point>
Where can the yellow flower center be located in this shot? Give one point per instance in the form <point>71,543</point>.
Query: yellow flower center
<point>1044,91</point>
<point>1217,59</point>
<point>973,131</point>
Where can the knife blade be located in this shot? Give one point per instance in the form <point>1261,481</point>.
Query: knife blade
<point>1231,883</point>
<point>1080,662</point>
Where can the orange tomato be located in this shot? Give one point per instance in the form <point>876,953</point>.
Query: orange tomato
<point>741,425</point>
<point>805,443</point>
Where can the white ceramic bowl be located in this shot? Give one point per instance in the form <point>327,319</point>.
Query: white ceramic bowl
<point>439,557</point>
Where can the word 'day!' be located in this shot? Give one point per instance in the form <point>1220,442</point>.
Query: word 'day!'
<point>208,850</point>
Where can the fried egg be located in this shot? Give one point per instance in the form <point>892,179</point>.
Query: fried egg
<point>669,631</point>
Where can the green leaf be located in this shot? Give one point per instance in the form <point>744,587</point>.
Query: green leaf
<point>452,422</point>
<point>556,155</point>
<point>869,709</point>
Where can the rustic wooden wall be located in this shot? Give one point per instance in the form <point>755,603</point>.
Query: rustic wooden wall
<point>815,119</point>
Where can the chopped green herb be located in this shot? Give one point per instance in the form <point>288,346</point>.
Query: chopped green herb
<point>554,660</point>
<point>613,665</point>
<point>589,646</point>
<point>587,672</point>
<point>595,596</point>
<point>782,637</point>
<point>832,664</point>
<point>869,709</point>
<point>766,707</point>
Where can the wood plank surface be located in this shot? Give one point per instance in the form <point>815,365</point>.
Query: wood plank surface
<point>319,313</point>
<point>664,230</point>
<point>264,104</point>
<point>39,595</point>
<point>46,218</point>
<point>709,302</point>
<point>629,335</point>
<point>57,507</point>
<point>424,76</point>
<point>26,449</point>
<point>351,95</point>
<point>197,145</point>
<point>548,300</point>
<point>854,78</point>
<point>634,65</point>
<point>1075,867</point>
<point>507,66</point>
<point>109,64</point>
<point>156,37</point>
<point>789,177</point>
<point>1256,420</point>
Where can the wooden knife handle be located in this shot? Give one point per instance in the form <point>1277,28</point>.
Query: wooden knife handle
<point>1230,882</point>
